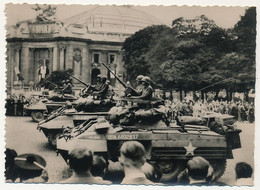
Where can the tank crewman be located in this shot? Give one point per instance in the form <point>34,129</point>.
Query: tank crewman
<point>67,89</point>
<point>90,89</point>
<point>147,90</point>
<point>102,90</point>
<point>139,87</point>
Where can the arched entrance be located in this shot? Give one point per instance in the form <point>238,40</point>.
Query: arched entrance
<point>94,74</point>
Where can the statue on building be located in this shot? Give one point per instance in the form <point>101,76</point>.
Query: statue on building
<point>77,62</point>
<point>45,13</point>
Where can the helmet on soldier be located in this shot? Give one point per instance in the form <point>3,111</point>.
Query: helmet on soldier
<point>99,76</point>
<point>139,77</point>
<point>146,79</point>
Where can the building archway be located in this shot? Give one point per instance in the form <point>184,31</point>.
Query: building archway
<point>94,74</point>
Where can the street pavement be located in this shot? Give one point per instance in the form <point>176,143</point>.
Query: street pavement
<point>22,135</point>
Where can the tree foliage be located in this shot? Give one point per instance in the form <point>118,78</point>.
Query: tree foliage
<point>56,78</point>
<point>195,54</point>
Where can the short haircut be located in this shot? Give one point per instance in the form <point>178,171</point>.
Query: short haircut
<point>134,151</point>
<point>99,166</point>
<point>198,168</point>
<point>80,159</point>
<point>243,170</point>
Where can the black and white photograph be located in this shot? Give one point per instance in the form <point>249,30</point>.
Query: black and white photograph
<point>129,94</point>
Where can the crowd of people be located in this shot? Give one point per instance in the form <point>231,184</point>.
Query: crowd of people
<point>88,168</point>
<point>241,110</point>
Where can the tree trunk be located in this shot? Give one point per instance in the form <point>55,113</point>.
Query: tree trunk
<point>202,95</point>
<point>227,95</point>
<point>181,94</point>
<point>230,96</point>
<point>246,96</point>
<point>216,95</point>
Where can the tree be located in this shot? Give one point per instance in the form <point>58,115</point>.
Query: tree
<point>55,79</point>
<point>135,49</point>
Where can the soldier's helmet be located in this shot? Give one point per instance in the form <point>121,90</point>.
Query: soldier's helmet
<point>139,77</point>
<point>99,76</point>
<point>146,79</point>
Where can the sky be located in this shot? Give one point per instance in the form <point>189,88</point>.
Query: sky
<point>224,17</point>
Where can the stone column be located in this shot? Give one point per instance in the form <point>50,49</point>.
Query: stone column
<point>86,67</point>
<point>31,65</point>
<point>69,57</point>
<point>17,60</point>
<point>25,64</point>
<point>62,58</point>
<point>88,63</point>
<point>55,59</point>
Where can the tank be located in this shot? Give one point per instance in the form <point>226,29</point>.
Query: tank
<point>73,114</point>
<point>47,105</point>
<point>169,145</point>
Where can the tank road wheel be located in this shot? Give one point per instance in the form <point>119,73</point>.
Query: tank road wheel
<point>170,169</point>
<point>52,139</point>
<point>37,115</point>
<point>219,167</point>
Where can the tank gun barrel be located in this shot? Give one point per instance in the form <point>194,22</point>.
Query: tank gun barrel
<point>134,92</point>
<point>78,80</point>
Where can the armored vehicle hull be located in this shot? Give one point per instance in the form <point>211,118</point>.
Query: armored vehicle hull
<point>38,109</point>
<point>168,147</point>
<point>64,117</point>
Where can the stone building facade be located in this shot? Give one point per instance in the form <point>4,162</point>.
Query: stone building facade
<point>80,43</point>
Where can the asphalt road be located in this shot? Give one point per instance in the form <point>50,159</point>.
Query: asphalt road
<point>23,136</point>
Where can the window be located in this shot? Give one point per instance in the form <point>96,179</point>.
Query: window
<point>112,58</point>
<point>96,57</point>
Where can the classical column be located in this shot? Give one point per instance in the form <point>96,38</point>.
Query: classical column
<point>25,63</point>
<point>55,58</point>
<point>62,58</point>
<point>17,60</point>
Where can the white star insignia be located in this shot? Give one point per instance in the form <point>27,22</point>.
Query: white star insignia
<point>190,149</point>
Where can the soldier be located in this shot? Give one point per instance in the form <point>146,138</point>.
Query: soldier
<point>139,87</point>
<point>102,90</point>
<point>67,89</point>
<point>147,91</point>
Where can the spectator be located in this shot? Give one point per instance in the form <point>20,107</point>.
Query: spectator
<point>31,168</point>
<point>81,161</point>
<point>243,174</point>
<point>197,170</point>
<point>132,158</point>
<point>99,168</point>
<point>10,169</point>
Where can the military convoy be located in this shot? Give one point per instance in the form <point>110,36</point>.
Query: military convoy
<point>102,127</point>
<point>169,145</point>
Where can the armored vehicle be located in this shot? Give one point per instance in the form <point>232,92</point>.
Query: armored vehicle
<point>169,145</point>
<point>47,104</point>
<point>73,114</point>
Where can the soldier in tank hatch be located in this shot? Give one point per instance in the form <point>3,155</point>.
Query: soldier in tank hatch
<point>139,86</point>
<point>103,88</point>
<point>147,91</point>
